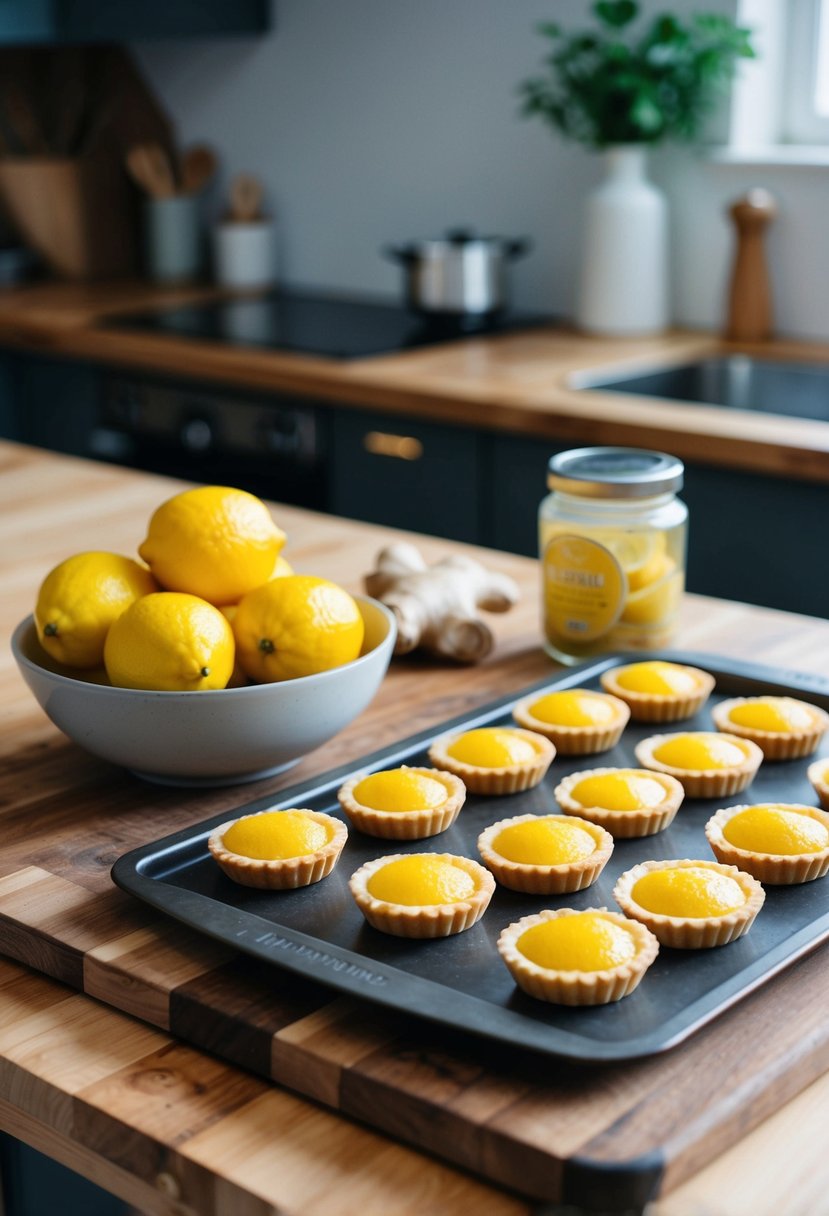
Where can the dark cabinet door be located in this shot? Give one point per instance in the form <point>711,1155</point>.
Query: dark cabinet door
<point>518,481</point>
<point>407,474</point>
<point>51,21</point>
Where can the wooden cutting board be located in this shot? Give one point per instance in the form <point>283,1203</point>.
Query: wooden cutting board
<point>605,1137</point>
<point>602,1137</point>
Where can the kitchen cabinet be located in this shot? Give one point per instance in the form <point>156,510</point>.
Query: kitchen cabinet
<point>54,404</point>
<point>49,21</point>
<point>409,474</point>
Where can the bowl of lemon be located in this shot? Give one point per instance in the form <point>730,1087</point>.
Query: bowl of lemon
<point>208,661</point>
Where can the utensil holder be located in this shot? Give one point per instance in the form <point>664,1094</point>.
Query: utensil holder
<point>244,254</point>
<point>172,238</point>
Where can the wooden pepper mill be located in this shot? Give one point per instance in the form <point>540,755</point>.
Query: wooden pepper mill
<point>749,297</point>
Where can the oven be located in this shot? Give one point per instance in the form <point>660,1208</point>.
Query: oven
<point>273,445</point>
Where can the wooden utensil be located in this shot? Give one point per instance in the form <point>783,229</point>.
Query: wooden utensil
<point>150,167</point>
<point>245,198</point>
<point>749,299</point>
<point>198,165</point>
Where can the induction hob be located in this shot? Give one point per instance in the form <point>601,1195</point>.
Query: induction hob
<point>336,327</point>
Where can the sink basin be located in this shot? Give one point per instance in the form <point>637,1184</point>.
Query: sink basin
<point>741,382</point>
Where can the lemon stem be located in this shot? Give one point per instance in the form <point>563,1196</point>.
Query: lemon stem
<point>205,672</point>
<point>51,630</point>
<point>266,646</point>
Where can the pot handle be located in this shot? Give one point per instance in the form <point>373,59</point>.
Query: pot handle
<point>397,253</point>
<point>518,248</point>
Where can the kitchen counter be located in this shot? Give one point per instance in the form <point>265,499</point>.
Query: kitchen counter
<point>166,1126</point>
<point>518,383</point>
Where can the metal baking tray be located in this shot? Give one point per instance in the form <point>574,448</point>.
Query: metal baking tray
<point>461,981</point>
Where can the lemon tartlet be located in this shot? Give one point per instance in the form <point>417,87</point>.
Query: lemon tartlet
<point>782,727</point>
<point>402,803</point>
<point>545,854</point>
<point>494,759</point>
<point>579,722</point>
<point>422,894</point>
<point>279,850</point>
<point>627,802</point>
<point>690,905</point>
<point>708,764</point>
<point>571,957</point>
<point>659,691</point>
<point>779,843</point>
<point>818,774</point>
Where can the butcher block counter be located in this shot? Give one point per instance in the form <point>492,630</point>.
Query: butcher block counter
<point>522,383</point>
<point>114,1022</point>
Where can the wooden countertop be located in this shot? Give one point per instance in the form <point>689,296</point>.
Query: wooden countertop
<point>521,383</point>
<point>175,1131</point>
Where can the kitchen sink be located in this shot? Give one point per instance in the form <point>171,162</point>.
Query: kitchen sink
<point>741,382</point>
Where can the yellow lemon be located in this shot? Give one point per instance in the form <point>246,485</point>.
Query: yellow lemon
<point>282,568</point>
<point>296,626</point>
<point>213,542</point>
<point>170,642</point>
<point>80,599</point>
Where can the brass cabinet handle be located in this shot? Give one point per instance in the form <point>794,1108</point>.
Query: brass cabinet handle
<point>401,447</point>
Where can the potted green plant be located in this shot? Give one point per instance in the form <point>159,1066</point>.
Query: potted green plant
<point>622,87</point>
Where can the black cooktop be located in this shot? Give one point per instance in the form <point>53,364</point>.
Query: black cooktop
<point>337,327</point>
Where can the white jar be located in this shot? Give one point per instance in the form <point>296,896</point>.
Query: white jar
<point>244,254</point>
<point>612,538</point>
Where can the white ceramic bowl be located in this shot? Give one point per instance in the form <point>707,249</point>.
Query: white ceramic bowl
<point>209,738</point>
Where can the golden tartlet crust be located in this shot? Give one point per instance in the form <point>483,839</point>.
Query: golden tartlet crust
<point>575,740</point>
<point>509,779</point>
<point>777,869</point>
<point>775,744</point>
<point>422,920</point>
<point>536,879</point>
<point>706,782</point>
<point>646,821</point>
<point>285,874</point>
<point>404,825</point>
<point>685,932</point>
<point>577,987</point>
<point>818,774</point>
<point>661,707</point>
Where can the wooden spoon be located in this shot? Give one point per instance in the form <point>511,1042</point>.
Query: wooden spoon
<point>198,164</point>
<point>245,198</point>
<point>150,167</point>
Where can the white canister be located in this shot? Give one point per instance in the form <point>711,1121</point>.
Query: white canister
<point>244,254</point>
<point>624,273</point>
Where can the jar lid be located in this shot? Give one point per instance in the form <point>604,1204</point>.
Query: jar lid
<point>614,473</point>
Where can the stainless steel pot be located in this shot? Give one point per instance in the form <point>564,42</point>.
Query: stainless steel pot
<point>459,275</point>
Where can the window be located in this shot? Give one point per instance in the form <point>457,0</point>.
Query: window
<point>805,118</point>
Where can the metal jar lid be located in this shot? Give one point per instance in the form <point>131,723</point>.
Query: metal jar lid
<point>615,473</point>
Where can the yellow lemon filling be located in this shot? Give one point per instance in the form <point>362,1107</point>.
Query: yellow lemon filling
<point>692,891</point>
<point>775,829</point>
<point>586,942</point>
<point>548,841</point>
<point>772,714</point>
<point>421,878</point>
<point>276,836</point>
<point>572,708</point>
<point>657,677</point>
<point>491,747</point>
<point>699,752</point>
<point>400,790</point>
<point>621,791</point>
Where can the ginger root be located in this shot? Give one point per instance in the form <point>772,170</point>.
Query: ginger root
<point>437,606</point>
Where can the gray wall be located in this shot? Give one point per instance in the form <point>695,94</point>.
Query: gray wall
<point>379,120</point>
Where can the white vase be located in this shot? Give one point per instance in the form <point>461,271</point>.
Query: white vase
<point>623,286</point>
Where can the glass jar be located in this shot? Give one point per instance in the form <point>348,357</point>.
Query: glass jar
<point>612,538</point>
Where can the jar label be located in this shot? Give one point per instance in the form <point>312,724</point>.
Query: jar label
<point>584,588</point>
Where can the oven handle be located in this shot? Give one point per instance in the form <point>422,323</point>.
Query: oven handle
<point>399,447</point>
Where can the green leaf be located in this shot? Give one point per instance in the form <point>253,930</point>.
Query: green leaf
<point>616,13</point>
